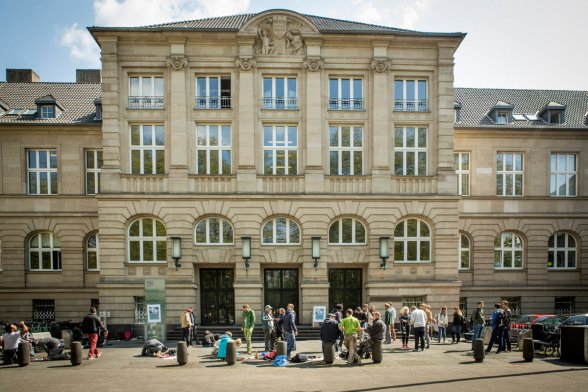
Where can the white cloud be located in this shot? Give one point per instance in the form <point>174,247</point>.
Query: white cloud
<point>401,13</point>
<point>412,13</point>
<point>81,45</point>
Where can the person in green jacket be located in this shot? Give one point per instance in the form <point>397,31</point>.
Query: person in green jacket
<point>248,323</point>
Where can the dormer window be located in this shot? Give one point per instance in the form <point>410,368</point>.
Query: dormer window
<point>98,104</point>
<point>48,107</point>
<point>457,111</point>
<point>553,113</point>
<point>501,113</point>
<point>502,117</point>
<point>47,111</point>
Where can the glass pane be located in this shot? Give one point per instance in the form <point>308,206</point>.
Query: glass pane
<point>267,136</point>
<point>518,184</point>
<point>345,136</point>
<point>411,226</point>
<point>357,88</point>
<point>147,227</point>
<point>425,251</point>
<point>465,242</point>
<point>159,229</point>
<point>411,249</point>
<point>571,163</point>
<point>32,159</point>
<point>465,184</point>
<point>410,90</point>
<point>227,233</point>
<point>33,183</point>
<point>147,88</point>
<point>561,162</point>
<point>46,260</point>
<point>334,233</point>
<point>550,259</point>
<point>214,162</point>
<point>294,233</point>
<point>398,89</point>
<point>292,137</point>
<point>497,259</point>
<point>571,259</point>
<point>45,240</point>
<point>334,162</point>
<point>333,137</point>
<point>226,135</point>
<point>345,88</point>
<point>159,135</point>
<point>280,231</point>
<point>214,231</point>
<point>508,162</point>
<point>357,163</point>
<point>422,89</point>
<point>200,87</point>
<point>518,261</point>
<point>268,233</point>
<point>158,87</point>
<point>44,183</point>
<point>280,136</point>
<point>292,162</point>
<point>280,162</point>
<point>53,177</point>
<point>148,162</point>
<point>572,185</point>
<point>135,250</point>
<point>201,164</point>
<point>53,159</point>
<point>422,163</point>
<point>550,242</point>
<point>410,137</point>
<point>159,161</point>
<point>571,241</point>
<point>508,184</point>
<point>399,250</point>
<point>134,229</point>
<point>226,162</point>
<point>507,259</point>
<point>422,137</point>
<point>347,230</point>
<point>357,137</point>
<point>135,135</point>
<point>560,259</point>
<point>147,135</point>
<point>213,87</point>
<point>42,159</point>
<point>499,185</point>
<point>519,162</point>
<point>399,230</point>
<point>499,162</point>
<point>398,163</point>
<point>267,87</point>
<point>213,135</point>
<point>359,233</point>
<point>90,163</point>
<point>268,162</point>
<point>201,232</point>
<point>398,138</point>
<point>561,240</point>
<point>346,163</point>
<point>410,164</point>
<point>424,229</point>
<point>280,90</point>
<point>34,260</point>
<point>135,90</point>
<point>334,88</point>
<point>147,250</point>
<point>161,251</point>
<point>465,259</point>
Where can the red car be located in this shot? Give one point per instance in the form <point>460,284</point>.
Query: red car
<point>525,321</point>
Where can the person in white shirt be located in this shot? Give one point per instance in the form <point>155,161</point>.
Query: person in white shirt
<point>10,341</point>
<point>418,319</point>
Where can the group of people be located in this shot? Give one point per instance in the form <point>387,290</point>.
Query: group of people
<point>501,319</point>
<point>276,326</point>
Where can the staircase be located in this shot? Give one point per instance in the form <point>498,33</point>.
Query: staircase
<point>305,332</point>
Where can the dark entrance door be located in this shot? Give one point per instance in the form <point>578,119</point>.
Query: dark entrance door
<point>281,288</point>
<point>218,296</point>
<point>345,288</point>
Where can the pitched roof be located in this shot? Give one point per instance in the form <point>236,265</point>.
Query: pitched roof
<point>76,100</point>
<point>477,102</point>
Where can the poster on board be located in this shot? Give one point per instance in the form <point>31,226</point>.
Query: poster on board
<point>319,313</point>
<point>153,313</point>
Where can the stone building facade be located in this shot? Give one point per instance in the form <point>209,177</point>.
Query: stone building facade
<point>282,131</point>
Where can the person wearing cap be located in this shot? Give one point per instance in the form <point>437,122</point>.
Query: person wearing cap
<point>186,323</point>
<point>267,318</point>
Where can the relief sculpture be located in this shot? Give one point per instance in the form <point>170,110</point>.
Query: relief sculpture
<point>279,36</point>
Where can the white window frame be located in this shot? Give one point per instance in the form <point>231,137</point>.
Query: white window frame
<point>209,101</point>
<point>464,251</point>
<point>462,173</point>
<point>418,239</point>
<point>93,171</point>
<point>340,149</point>
<point>142,100</point>
<point>277,146</point>
<point>354,241</point>
<point>144,239</point>
<point>140,310</point>
<point>152,87</point>
<point>513,249</point>
<point>275,102</point>
<point>47,111</point>
<point>206,223</point>
<point>90,250</point>
<point>502,117</point>
<point>351,103</point>
<point>37,171</point>
<point>414,150</point>
<point>566,249</point>
<point>54,246</point>
<point>211,150</point>
<point>289,241</point>
<point>142,148</point>
<point>418,104</point>
<point>567,173</point>
<point>503,174</point>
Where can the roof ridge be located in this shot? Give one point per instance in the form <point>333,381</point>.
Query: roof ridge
<point>39,83</point>
<point>518,89</point>
<point>362,23</point>
<point>201,19</point>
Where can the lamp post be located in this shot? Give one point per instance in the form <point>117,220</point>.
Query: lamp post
<point>246,252</point>
<point>316,250</point>
<point>384,252</point>
<point>177,251</point>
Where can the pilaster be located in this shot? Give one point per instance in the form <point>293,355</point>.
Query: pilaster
<point>314,172</point>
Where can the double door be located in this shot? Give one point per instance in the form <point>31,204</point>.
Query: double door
<point>218,296</point>
<point>281,289</point>
<point>345,287</point>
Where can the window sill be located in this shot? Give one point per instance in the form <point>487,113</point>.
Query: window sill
<point>412,111</point>
<point>144,263</point>
<point>521,269</point>
<point>200,108</point>
<point>214,245</point>
<point>401,262</point>
<point>44,271</point>
<point>285,109</point>
<point>275,244</point>
<point>354,244</point>
<point>551,269</point>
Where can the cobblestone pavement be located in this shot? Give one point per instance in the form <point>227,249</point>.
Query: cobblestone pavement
<point>444,367</point>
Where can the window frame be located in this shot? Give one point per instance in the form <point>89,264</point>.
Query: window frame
<point>274,232</point>
<point>461,172</point>
<point>52,249</point>
<point>273,101</point>
<point>513,249</point>
<point>418,239</point>
<point>93,171</point>
<point>141,239</point>
<point>462,250</point>
<point>566,249</point>
<point>206,221</point>
<point>219,149</point>
<point>502,117</point>
<point>209,101</point>
<point>354,223</point>
<point>403,104</point>
<point>502,173</point>
<point>143,101</point>
<point>96,250</point>
<point>38,171</point>
<point>274,148</point>
<point>351,149</point>
<point>555,175</point>
<point>142,148</point>
<point>351,103</point>
<point>48,111</point>
<point>412,150</point>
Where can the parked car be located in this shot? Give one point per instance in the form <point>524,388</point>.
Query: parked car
<point>525,321</point>
<point>552,321</point>
<point>578,319</point>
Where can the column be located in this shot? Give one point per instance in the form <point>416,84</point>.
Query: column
<point>246,171</point>
<point>380,105</point>
<point>314,173</point>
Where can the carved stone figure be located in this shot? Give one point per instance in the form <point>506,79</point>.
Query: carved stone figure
<point>380,66</point>
<point>267,44</point>
<point>245,64</point>
<point>294,42</point>
<point>177,63</point>
<point>279,35</point>
<point>313,65</point>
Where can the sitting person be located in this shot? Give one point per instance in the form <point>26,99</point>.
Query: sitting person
<point>153,348</point>
<point>10,341</point>
<point>51,346</point>
<point>208,339</point>
<point>376,332</point>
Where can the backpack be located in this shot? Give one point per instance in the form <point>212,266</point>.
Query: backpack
<point>298,358</point>
<point>502,319</point>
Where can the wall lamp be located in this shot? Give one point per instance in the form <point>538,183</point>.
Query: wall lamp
<point>384,251</point>
<point>246,252</point>
<point>316,250</point>
<point>177,251</point>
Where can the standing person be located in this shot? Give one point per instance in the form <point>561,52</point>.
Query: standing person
<point>329,332</point>
<point>351,327</point>
<point>429,314</point>
<point>193,332</point>
<point>498,322</point>
<point>91,326</point>
<point>278,324</point>
<point>269,333</point>
<point>506,332</point>
<point>418,319</point>
<point>404,319</point>
<point>442,322</point>
<point>248,323</point>
<point>186,324</point>
<point>10,340</point>
<point>478,323</point>
<point>338,312</point>
<point>289,326</point>
<point>389,318</point>
<point>456,325</point>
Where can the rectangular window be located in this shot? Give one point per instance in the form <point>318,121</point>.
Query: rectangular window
<point>147,149</point>
<point>514,303</point>
<point>140,310</point>
<point>502,117</point>
<point>48,111</point>
<point>563,175</point>
<point>346,150</point>
<point>413,301</point>
<point>279,93</point>
<point>410,151</point>
<point>345,94</point>
<point>509,174</point>
<point>146,92</point>
<point>42,172</point>
<point>213,92</point>
<point>461,163</point>
<point>213,149</point>
<point>93,167</point>
<point>565,305</point>
<point>410,95</point>
<point>280,150</point>
<point>43,310</point>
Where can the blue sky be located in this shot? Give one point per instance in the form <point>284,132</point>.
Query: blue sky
<point>510,43</point>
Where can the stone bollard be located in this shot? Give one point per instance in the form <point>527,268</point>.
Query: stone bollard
<point>231,354</point>
<point>24,354</point>
<point>528,349</point>
<point>182,353</point>
<point>521,338</point>
<point>282,348</point>
<point>76,353</point>
<point>377,353</point>
<point>479,350</point>
<point>487,334</point>
<point>329,352</point>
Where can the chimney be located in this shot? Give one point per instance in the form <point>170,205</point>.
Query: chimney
<point>21,76</point>
<point>87,76</point>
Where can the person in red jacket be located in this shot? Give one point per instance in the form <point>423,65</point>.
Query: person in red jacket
<point>91,328</point>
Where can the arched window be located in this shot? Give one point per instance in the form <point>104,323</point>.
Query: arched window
<point>92,261</point>
<point>347,231</point>
<point>561,253</point>
<point>279,231</point>
<point>508,251</point>
<point>464,252</point>
<point>147,241</point>
<point>44,252</point>
<point>214,231</point>
<point>412,241</point>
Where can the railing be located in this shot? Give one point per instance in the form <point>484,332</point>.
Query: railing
<point>346,104</point>
<point>279,103</point>
<point>146,103</point>
<point>411,105</point>
<point>222,102</point>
